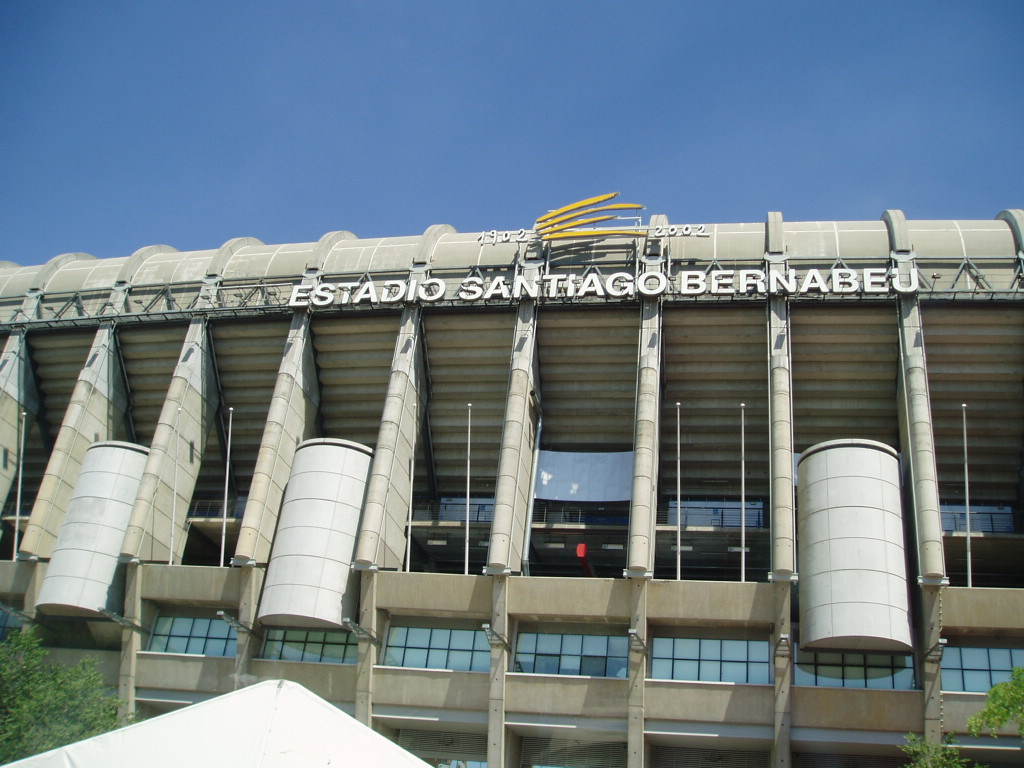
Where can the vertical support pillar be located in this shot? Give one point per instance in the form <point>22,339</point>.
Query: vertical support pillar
<point>636,742</point>
<point>97,412</point>
<point>131,639</point>
<point>18,393</point>
<point>159,517</point>
<point>782,655</point>
<point>518,445</point>
<point>369,647</point>
<point>644,502</point>
<point>248,642</point>
<point>382,532</point>
<point>291,419</point>
<point>497,748</point>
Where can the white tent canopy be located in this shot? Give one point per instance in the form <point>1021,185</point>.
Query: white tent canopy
<point>274,724</point>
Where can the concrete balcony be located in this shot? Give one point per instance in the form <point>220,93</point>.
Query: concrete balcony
<point>432,689</point>
<point>434,594</point>
<point>209,675</point>
<point>334,682</point>
<point>566,696</point>
<point>197,585</point>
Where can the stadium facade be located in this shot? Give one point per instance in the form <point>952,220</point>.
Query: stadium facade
<point>664,494</point>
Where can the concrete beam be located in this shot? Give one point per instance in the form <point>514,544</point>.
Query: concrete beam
<point>98,411</point>
<point>382,534</point>
<point>291,419</point>
<point>158,526</point>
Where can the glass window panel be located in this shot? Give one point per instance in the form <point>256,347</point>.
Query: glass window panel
<point>710,650</point>
<point>572,644</point>
<point>569,665</point>
<point>335,654</point>
<point>216,647</point>
<point>804,674</point>
<point>710,671</point>
<point>757,650</point>
<point>853,677</point>
<point>201,627</point>
<point>462,639</point>
<point>442,638</point>
<point>163,625</point>
<point>460,661</point>
<point>158,643</point>
<point>481,661</point>
<point>313,652</point>
<point>661,669</point>
<point>687,669</point>
<point>595,645</point>
<point>480,641</point>
<point>830,675</point>
<point>593,666</point>
<point>734,650</point>
<point>177,644</point>
<point>415,657</point>
<point>524,662</point>
<point>734,672</point>
<point>758,674</point>
<point>545,664</point>
<point>952,680</point>
<point>397,635</point>
<point>393,656</point>
<point>974,658</point>
<point>418,637</point>
<point>618,645</point>
<point>181,626</point>
<point>661,648</point>
<point>999,658</point>
<point>903,679</point>
<point>219,628</point>
<point>547,643</point>
<point>951,658</point>
<point>1017,657</point>
<point>977,680</point>
<point>830,658</point>
<point>316,637</point>
<point>291,651</point>
<point>437,658</point>
<point>232,649</point>
<point>1000,676</point>
<point>527,642</point>
<point>687,648</point>
<point>618,667</point>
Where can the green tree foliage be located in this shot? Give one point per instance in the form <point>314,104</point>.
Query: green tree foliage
<point>925,754</point>
<point>1005,704</point>
<point>44,705</point>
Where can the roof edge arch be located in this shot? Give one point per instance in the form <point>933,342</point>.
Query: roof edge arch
<point>54,265</point>
<point>137,259</point>
<point>428,241</point>
<point>896,224</point>
<point>1014,217</point>
<point>226,251</point>
<point>324,246</point>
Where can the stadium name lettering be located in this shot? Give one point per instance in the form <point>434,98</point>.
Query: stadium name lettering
<point>619,285</point>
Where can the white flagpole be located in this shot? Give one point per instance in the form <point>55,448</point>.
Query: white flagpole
<point>469,432</point>
<point>743,491</point>
<point>412,484</point>
<point>17,499</point>
<point>227,475</point>
<point>967,498</point>
<point>679,501</point>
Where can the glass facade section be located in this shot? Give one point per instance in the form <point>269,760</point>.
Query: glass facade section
<point>978,669</point>
<point>200,636</point>
<point>462,650</point>
<point>855,670</point>
<point>8,624</point>
<point>711,660</point>
<point>548,653</point>
<point>311,645</point>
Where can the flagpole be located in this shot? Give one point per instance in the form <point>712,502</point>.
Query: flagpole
<point>679,501</point>
<point>743,491</point>
<point>967,498</point>
<point>227,475</point>
<point>469,432</point>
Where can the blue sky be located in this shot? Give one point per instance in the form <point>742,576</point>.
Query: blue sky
<point>126,124</point>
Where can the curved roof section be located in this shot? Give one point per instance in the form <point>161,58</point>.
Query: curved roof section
<point>342,255</point>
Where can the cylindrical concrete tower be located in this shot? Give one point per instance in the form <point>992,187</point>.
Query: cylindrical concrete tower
<point>853,572</point>
<point>83,575</point>
<point>310,581</point>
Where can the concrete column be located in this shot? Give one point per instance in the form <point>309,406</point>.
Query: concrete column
<point>131,639</point>
<point>18,393</point>
<point>291,419</point>
<point>175,456</point>
<point>382,535</point>
<point>918,441</point>
<point>518,444</point>
<point>782,655</point>
<point>97,412</point>
<point>635,739</point>
<point>931,660</point>
<point>248,642</point>
<point>369,647</point>
<point>644,503</point>
<point>781,437</point>
<point>497,747</point>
